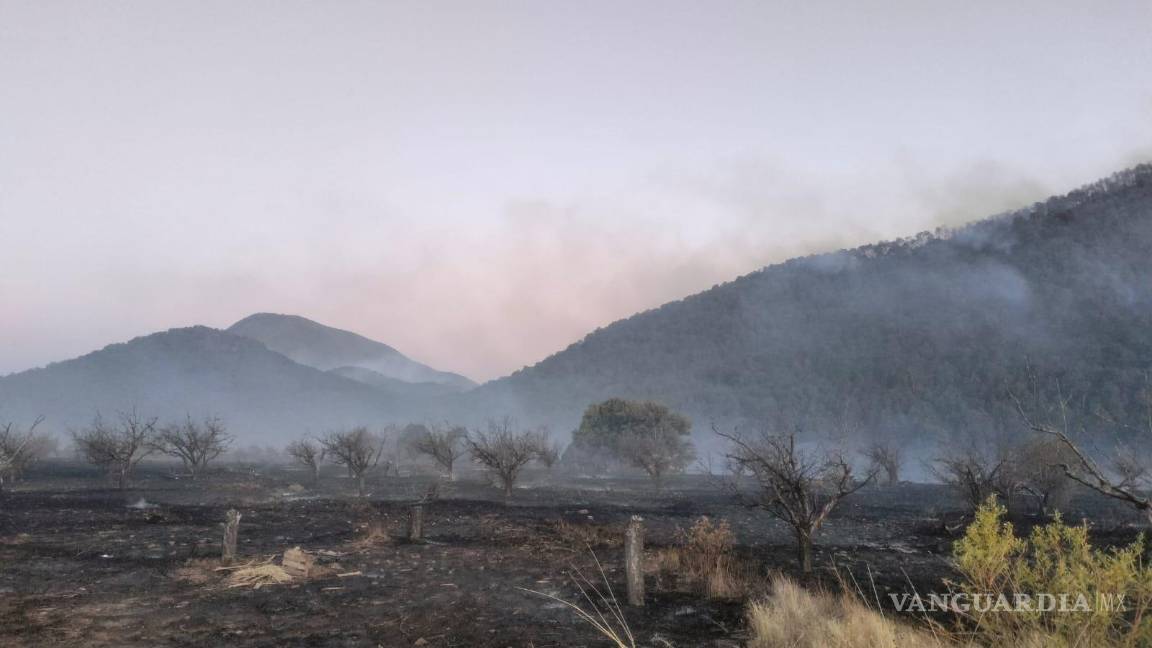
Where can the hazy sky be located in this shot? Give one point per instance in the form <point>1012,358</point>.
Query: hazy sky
<point>481,184</point>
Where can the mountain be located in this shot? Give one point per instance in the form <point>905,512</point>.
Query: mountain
<point>262,395</point>
<point>327,348</point>
<point>916,339</point>
<point>394,387</point>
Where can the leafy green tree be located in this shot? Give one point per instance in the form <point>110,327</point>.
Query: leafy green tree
<point>641,434</point>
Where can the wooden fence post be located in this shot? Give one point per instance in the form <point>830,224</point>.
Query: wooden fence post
<point>634,560</point>
<point>416,523</point>
<point>231,529</point>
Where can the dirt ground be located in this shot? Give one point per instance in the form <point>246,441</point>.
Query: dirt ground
<point>82,564</point>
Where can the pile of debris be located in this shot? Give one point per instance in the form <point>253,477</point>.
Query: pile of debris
<point>295,565</point>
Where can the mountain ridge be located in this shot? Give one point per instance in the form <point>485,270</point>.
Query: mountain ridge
<point>324,347</point>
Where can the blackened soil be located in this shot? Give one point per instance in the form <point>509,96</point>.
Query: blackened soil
<point>84,565</point>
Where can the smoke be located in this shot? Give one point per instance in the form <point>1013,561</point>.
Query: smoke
<point>488,295</point>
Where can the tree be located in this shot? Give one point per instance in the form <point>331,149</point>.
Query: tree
<point>195,443</point>
<point>19,449</point>
<point>887,457</point>
<point>503,452</point>
<point>796,486</point>
<point>117,447</point>
<point>1042,476</point>
<point>444,444</point>
<point>358,450</point>
<point>974,475</point>
<point>1128,479</point>
<point>550,451</point>
<point>642,434</point>
<point>307,453</point>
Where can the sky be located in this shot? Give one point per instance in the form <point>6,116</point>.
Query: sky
<point>481,184</point>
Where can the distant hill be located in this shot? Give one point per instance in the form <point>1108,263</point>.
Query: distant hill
<point>263,396</point>
<point>394,387</point>
<point>327,348</point>
<point>915,338</point>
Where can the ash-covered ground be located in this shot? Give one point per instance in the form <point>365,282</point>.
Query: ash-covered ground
<point>82,564</point>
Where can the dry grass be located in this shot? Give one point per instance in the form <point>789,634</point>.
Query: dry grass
<point>259,576</point>
<point>198,571</point>
<point>703,559</point>
<point>584,536</point>
<point>600,608</point>
<point>792,617</point>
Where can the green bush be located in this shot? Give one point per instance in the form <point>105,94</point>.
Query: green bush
<point>1097,597</point>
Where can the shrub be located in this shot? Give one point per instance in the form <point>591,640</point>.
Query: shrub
<point>703,557</point>
<point>1056,560</point>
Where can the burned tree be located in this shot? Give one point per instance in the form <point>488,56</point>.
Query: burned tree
<point>19,449</point>
<point>358,450</point>
<point>886,457</point>
<point>117,447</point>
<point>975,475</point>
<point>796,486</point>
<point>1040,462</point>
<point>195,443</point>
<point>1128,479</point>
<point>307,453</point>
<point>550,451</point>
<point>503,452</point>
<point>444,444</point>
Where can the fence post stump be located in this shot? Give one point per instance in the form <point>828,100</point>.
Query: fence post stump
<point>416,523</point>
<point>231,529</point>
<point>634,560</point>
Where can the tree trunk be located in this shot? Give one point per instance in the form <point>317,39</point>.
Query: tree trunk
<point>508,489</point>
<point>315,473</point>
<point>634,560</point>
<point>122,478</point>
<point>804,551</point>
<point>360,483</point>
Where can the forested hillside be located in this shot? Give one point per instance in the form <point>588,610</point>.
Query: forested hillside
<point>913,338</point>
<point>262,396</point>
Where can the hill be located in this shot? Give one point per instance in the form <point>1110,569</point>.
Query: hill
<point>394,387</point>
<point>916,338</point>
<point>264,396</point>
<point>326,348</point>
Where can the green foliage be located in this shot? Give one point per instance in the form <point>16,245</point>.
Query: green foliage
<point>1056,560</point>
<point>642,434</point>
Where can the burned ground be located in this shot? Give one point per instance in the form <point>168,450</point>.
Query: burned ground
<point>84,565</point>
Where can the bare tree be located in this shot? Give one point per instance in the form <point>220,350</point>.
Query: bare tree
<point>195,443</point>
<point>1040,463</point>
<point>307,453</point>
<point>503,452</point>
<point>117,447</point>
<point>974,474</point>
<point>799,487</point>
<point>887,457</point>
<point>358,450</point>
<point>19,449</point>
<point>444,444</point>
<point>550,451</point>
<point>1128,479</point>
